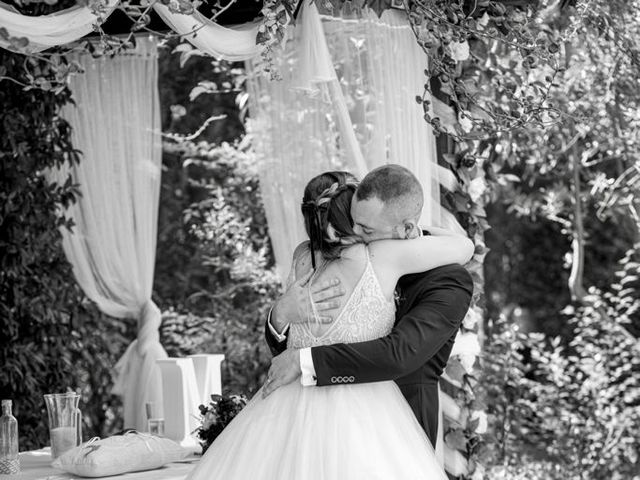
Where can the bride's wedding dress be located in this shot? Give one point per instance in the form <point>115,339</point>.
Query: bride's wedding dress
<point>346,431</point>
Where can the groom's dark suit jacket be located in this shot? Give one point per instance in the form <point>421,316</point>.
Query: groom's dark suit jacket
<point>431,308</point>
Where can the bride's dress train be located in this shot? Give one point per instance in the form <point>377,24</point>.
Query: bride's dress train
<point>351,432</point>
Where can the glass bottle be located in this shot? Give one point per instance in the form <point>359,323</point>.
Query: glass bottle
<point>9,459</point>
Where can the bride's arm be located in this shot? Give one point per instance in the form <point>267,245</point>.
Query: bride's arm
<point>402,257</point>
<point>276,332</point>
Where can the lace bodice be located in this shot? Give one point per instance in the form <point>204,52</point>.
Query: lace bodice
<point>366,315</point>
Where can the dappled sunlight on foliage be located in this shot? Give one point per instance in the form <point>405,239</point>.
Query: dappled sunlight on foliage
<point>235,282</point>
<point>215,277</point>
<point>576,402</point>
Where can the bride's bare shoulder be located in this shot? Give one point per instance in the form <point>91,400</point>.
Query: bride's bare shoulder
<point>381,248</point>
<point>302,259</point>
<point>355,251</point>
<point>301,249</point>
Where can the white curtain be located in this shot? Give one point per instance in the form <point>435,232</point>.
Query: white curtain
<point>46,31</point>
<point>116,124</point>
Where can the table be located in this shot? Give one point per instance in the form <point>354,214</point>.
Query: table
<point>36,465</point>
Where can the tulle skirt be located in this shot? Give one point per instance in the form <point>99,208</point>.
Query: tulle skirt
<point>351,432</point>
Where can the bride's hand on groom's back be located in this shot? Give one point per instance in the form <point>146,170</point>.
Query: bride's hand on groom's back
<point>295,304</point>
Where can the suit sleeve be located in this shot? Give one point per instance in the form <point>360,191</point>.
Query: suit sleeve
<point>435,316</point>
<point>275,345</point>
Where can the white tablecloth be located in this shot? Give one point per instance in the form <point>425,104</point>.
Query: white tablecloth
<point>36,465</point>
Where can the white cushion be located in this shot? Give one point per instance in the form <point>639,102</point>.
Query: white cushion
<point>130,452</point>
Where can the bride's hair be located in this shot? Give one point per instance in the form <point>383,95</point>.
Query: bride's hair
<point>326,207</point>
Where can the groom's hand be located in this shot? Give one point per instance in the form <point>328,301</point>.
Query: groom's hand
<point>285,368</point>
<point>295,305</point>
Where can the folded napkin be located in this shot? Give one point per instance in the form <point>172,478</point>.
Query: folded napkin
<point>131,452</point>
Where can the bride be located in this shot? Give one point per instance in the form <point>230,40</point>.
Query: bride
<point>348,431</point>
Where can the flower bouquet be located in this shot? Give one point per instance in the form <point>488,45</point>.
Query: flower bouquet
<point>215,416</point>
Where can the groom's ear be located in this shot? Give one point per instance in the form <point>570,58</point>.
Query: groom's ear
<point>410,229</point>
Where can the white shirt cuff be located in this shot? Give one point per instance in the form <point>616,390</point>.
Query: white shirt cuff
<point>308,378</point>
<point>281,337</point>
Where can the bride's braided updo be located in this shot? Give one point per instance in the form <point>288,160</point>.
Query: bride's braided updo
<point>326,207</point>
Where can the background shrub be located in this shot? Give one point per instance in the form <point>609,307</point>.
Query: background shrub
<point>51,338</point>
<point>570,409</point>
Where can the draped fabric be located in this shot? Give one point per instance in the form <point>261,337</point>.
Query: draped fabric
<point>46,31</point>
<point>304,124</point>
<point>116,124</point>
<point>315,74</point>
<point>234,43</point>
<point>296,131</point>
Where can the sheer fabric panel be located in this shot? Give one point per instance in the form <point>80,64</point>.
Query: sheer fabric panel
<point>295,138</point>
<point>380,67</point>
<point>298,135</point>
<point>298,132</point>
<point>112,248</point>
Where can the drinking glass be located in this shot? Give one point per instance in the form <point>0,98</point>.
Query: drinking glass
<point>64,422</point>
<point>155,419</point>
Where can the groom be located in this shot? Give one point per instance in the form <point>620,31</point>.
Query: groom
<point>430,309</point>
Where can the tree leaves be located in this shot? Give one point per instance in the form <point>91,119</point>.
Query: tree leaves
<point>456,439</point>
<point>50,339</point>
<point>202,87</point>
<point>455,370</point>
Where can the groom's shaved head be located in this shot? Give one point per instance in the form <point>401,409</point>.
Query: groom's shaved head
<point>396,187</point>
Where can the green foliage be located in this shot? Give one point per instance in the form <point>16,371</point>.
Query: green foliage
<point>574,179</point>
<point>492,64</point>
<point>575,404</point>
<point>586,156</point>
<point>214,275</point>
<point>527,270</point>
<point>37,300</point>
<point>230,280</point>
<point>50,338</point>
<point>193,88</point>
<point>179,271</point>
